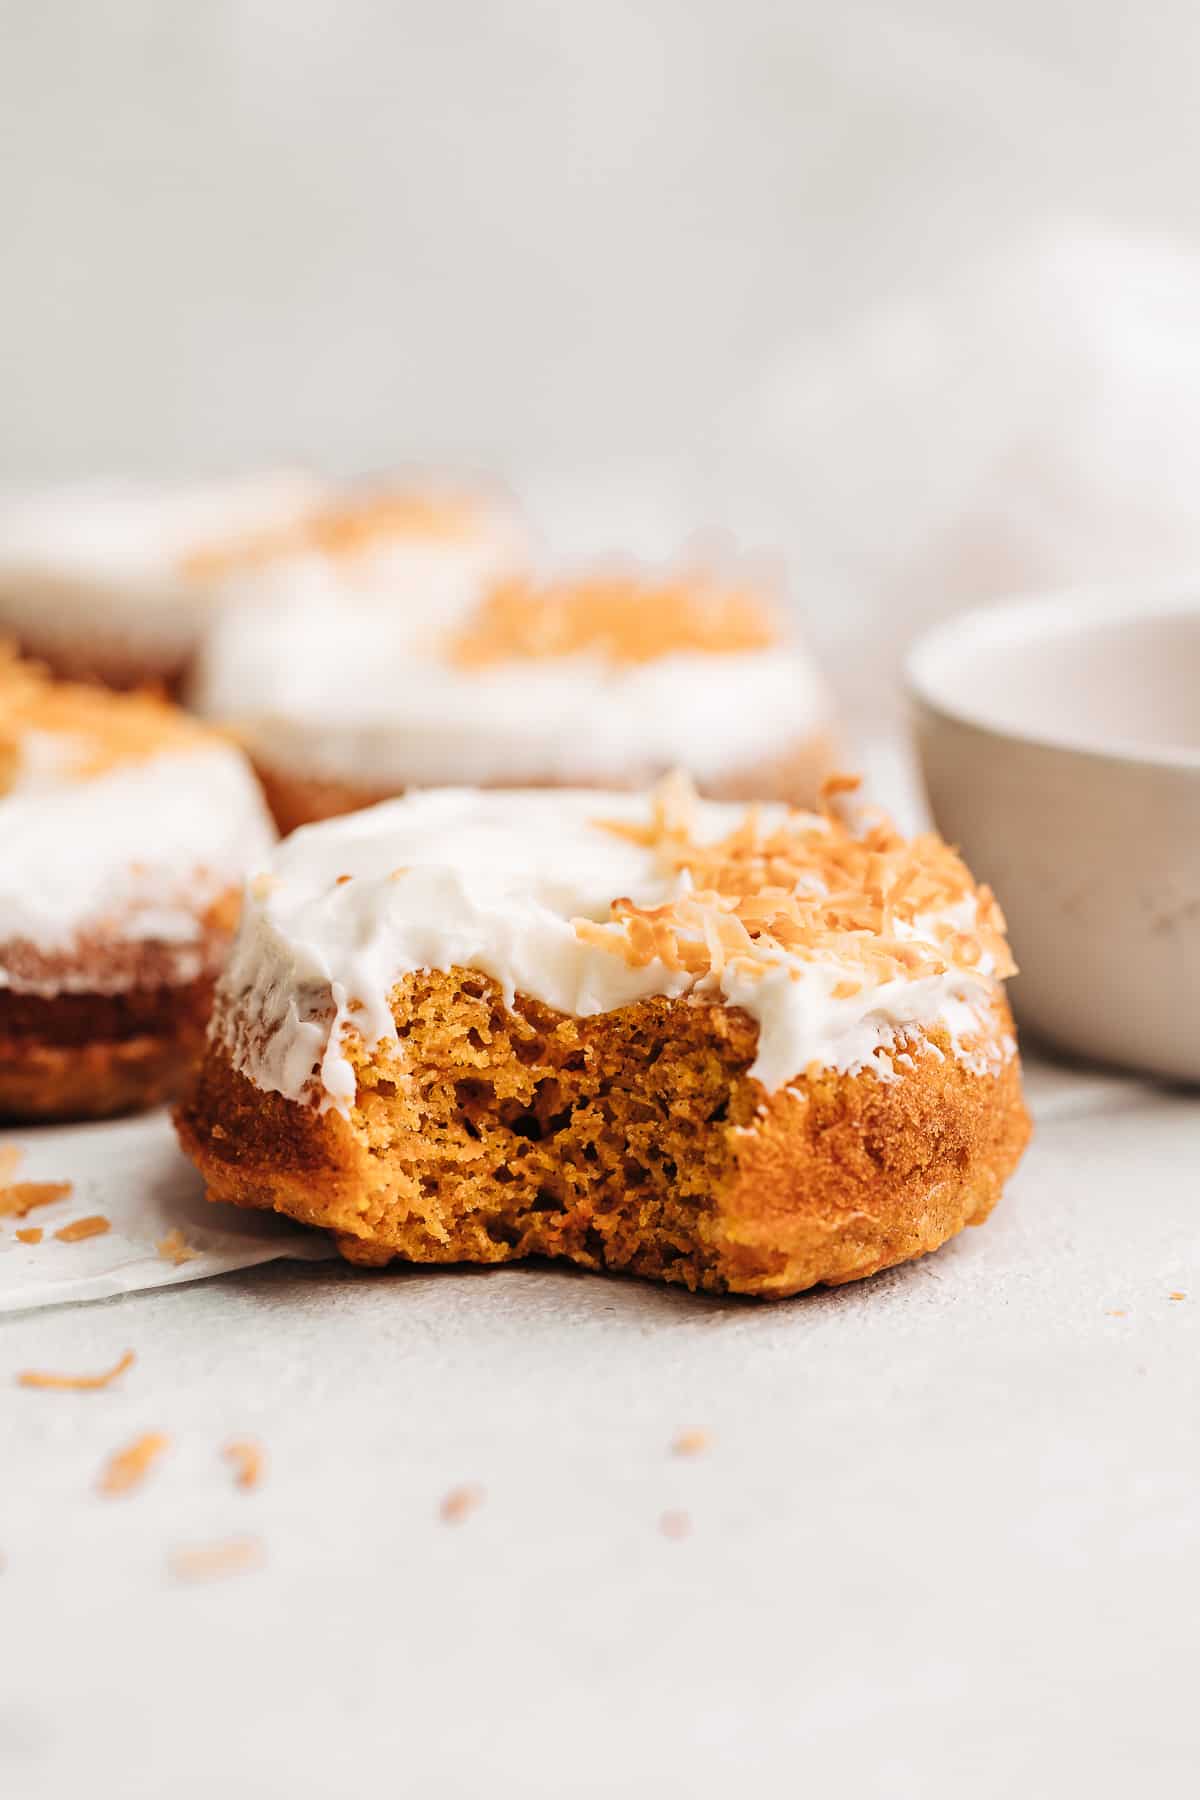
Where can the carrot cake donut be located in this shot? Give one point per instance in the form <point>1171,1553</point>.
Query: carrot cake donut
<point>125,829</point>
<point>606,681</point>
<point>747,1050</point>
<point>117,581</point>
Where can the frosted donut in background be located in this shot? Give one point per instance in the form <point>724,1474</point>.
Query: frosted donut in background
<point>117,580</point>
<point>605,680</point>
<point>126,828</point>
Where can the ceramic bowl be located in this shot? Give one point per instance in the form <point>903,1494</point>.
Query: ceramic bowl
<point>1060,743</point>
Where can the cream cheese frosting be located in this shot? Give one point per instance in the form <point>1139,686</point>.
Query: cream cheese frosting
<point>134,570</point>
<point>349,697</point>
<point>106,560</point>
<point>136,853</point>
<point>506,883</point>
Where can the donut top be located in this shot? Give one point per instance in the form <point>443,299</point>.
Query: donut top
<point>142,533</point>
<point>342,526</point>
<point>618,618</point>
<point>838,939</point>
<point>137,568</point>
<point>607,679</point>
<point>118,814</point>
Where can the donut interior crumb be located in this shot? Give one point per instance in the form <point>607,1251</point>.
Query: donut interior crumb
<point>247,1460</point>
<point>37,1378</point>
<point>174,1248</point>
<point>95,1225</point>
<point>126,1469</point>
<point>209,1562</point>
<point>20,1197</point>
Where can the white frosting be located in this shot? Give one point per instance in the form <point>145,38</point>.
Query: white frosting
<point>104,565</point>
<point>99,564</point>
<point>349,696</point>
<point>421,581</point>
<point>492,882</point>
<point>138,852</point>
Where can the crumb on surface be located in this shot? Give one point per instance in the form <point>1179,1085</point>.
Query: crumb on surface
<point>31,1234</point>
<point>693,1442</point>
<point>20,1197</point>
<point>1117,1312</point>
<point>460,1503</point>
<point>209,1562</point>
<point>126,1469</point>
<point>174,1248</point>
<point>37,1378</point>
<point>95,1225</point>
<point>1176,1295</point>
<point>675,1525</point>
<point>247,1460</point>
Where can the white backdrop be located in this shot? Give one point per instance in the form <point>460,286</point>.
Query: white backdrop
<point>599,245</point>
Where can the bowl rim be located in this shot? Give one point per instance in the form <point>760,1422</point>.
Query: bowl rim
<point>1033,617</point>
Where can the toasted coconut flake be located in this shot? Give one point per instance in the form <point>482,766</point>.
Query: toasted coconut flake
<point>174,1248</point>
<point>100,730</point>
<point>247,1460</point>
<point>210,1562</point>
<point>22,1196</point>
<point>32,1234</point>
<point>95,1225</point>
<point>343,528</point>
<point>623,618</point>
<point>810,889</point>
<point>127,1469</point>
<point>80,1384</point>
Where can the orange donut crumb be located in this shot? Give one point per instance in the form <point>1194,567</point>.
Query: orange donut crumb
<point>37,1378</point>
<point>126,1469</point>
<point>208,1562</point>
<point>95,1225</point>
<point>248,1461</point>
<point>22,1196</point>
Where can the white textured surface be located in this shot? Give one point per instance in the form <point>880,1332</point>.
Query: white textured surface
<point>944,1541</point>
<point>131,1172</point>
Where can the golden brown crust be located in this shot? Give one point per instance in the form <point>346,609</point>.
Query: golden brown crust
<point>794,777</point>
<point>90,1056</point>
<point>111,1025</point>
<point>635,1140</point>
<point>102,665</point>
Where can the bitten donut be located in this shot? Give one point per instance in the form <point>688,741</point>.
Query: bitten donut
<point>125,829</point>
<point>118,581</point>
<point>743,1050</point>
<point>606,681</point>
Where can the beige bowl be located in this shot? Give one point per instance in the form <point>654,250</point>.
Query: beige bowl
<point>1060,742</point>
